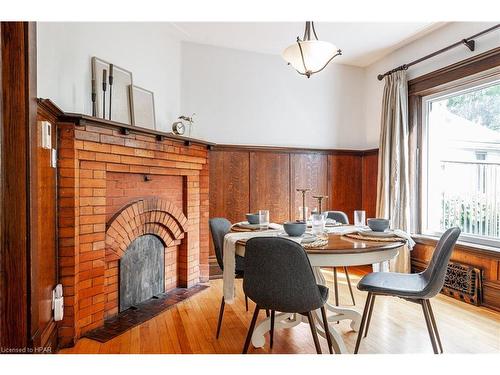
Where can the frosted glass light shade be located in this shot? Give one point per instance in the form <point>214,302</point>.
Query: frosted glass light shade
<point>316,54</point>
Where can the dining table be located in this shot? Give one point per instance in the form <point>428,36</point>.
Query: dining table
<point>339,250</point>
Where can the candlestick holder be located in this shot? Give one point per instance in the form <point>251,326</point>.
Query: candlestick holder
<point>304,192</point>
<point>320,200</point>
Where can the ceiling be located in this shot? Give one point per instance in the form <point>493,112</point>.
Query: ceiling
<point>361,43</point>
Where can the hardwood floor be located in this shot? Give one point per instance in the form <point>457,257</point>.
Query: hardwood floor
<point>397,326</point>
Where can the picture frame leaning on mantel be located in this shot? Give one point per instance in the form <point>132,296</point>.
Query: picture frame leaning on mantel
<point>121,110</point>
<point>142,107</point>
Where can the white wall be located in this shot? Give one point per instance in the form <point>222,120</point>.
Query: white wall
<point>147,49</point>
<point>239,97</point>
<point>251,98</point>
<point>440,38</point>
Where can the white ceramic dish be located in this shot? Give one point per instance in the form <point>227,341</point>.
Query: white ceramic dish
<point>305,237</point>
<point>246,224</point>
<point>371,233</point>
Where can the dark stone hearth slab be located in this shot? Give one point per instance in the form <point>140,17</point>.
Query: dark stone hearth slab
<point>146,310</point>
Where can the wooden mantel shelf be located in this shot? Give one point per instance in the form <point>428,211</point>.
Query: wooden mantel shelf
<point>81,119</point>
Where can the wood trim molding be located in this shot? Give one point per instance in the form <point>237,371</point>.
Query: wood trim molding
<point>476,64</point>
<point>292,150</point>
<point>435,82</point>
<point>49,109</point>
<point>18,113</point>
<point>478,250</point>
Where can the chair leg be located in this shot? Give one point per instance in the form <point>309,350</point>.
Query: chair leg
<point>363,321</point>
<point>434,325</point>
<point>267,313</point>
<point>336,286</point>
<point>368,320</point>
<point>313,331</point>
<point>327,329</point>
<point>221,313</point>
<point>246,302</point>
<point>250,330</point>
<point>349,285</point>
<point>271,332</point>
<point>429,325</point>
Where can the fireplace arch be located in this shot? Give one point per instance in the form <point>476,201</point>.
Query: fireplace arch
<point>151,216</point>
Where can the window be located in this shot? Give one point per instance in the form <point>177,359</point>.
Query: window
<point>461,161</point>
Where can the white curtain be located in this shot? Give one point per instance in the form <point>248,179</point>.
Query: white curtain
<point>393,191</point>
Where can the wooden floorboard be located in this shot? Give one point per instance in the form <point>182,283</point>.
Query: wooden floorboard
<point>397,327</point>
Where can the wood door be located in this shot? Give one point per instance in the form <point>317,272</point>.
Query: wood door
<point>308,171</point>
<point>270,184</point>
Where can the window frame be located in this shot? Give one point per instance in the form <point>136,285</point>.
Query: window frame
<point>456,77</point>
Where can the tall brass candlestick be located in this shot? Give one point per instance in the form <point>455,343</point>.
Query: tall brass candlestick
<point>320,199</point>
<point>303,191</point>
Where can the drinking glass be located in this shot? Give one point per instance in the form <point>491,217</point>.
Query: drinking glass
<point>359,218</point>
<point>318,224</point>
<point>300,214</point>
<point>264,219</point>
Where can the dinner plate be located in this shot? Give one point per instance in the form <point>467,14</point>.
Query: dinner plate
<point>308,239</point>
<point>371,233</point>
<point>305,238</point>
<point>246,224</point>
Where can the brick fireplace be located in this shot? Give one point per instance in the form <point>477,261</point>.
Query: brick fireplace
<point>116,184</point>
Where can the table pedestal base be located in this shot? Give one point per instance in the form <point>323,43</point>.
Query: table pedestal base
<point>289,320</point>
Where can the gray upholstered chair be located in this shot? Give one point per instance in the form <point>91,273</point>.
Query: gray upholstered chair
<point>219,227</point>
<point>279,277</point>
<point>414,287</point>
<point>340,217</point>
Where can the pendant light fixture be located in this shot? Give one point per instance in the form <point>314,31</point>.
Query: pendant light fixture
<point>310,55</point>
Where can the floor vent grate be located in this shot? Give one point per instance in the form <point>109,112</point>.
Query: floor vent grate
<point>463,282</point>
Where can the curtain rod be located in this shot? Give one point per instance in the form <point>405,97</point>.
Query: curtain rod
<point>468,42</point>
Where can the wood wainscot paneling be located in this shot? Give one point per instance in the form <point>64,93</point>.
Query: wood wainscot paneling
<point>369,182</point>
<point>229,189</point>
<point>345,186</point>
<point>307,170</point>
<point>249,178</point>
<point>270,184</point>
<point>487,260</point>
<point>232,184</point>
